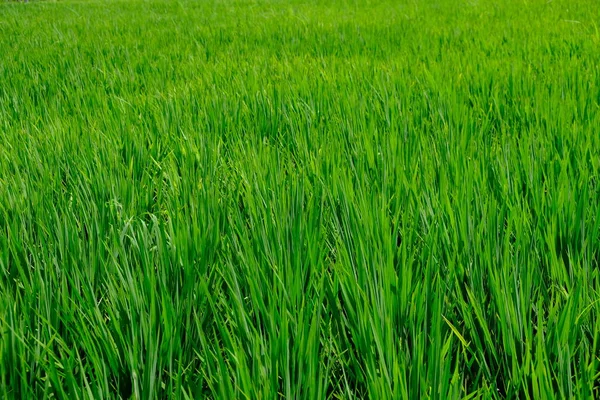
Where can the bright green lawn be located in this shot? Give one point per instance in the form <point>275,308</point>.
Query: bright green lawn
<point>307,200</point>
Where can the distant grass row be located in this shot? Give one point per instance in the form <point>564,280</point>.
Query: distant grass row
<point>275,199</point>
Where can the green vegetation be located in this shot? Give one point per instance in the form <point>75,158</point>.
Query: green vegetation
<point>264,199</point>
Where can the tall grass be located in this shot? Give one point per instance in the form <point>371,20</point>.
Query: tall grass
<point>265,199</point>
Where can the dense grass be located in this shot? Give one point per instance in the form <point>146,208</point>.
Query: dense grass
<point>303,200</point>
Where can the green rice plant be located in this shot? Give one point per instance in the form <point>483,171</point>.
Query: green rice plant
<point>282,199</point>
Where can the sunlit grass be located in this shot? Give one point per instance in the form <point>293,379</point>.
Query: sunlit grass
<point>265,199</point>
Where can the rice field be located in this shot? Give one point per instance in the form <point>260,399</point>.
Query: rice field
<point>263,199</point>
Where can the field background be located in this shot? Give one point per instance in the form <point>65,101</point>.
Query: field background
<point>284,199</point>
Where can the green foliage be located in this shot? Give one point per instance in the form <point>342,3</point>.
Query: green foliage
<point>307,200</point>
